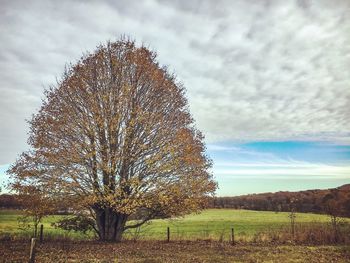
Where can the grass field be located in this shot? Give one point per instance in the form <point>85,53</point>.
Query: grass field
<point>210,228</point>
<point>210,224</point>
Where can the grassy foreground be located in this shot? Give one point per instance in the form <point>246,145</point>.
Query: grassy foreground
<point>210,229</point>
<point>213,224</point>
<point>158,251</point>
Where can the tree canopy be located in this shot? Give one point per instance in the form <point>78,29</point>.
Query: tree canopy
<point>115,137</point>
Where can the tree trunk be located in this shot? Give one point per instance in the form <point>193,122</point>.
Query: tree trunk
<point>110,224</point>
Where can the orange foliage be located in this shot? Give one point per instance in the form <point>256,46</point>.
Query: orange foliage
<point>116,135</point>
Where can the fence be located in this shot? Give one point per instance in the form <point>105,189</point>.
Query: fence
<point>303,233</point>
<point>166,233</point>
<point>309,234</point>
<point>175,233</point>
<point>138,232</point>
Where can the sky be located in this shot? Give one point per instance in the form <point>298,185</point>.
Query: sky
<point>268,82</point>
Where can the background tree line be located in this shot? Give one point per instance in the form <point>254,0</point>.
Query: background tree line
<point>315,201</point>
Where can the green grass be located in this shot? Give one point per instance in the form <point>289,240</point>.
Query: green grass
<point>9,224</point>
<point>211,223</point>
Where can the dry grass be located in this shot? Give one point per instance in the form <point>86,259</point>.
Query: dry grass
<point>153,251</point>
<point>307,234</point>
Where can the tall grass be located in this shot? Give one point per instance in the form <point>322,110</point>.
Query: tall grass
<point>312,234</point>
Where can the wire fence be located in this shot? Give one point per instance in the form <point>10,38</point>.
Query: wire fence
<point>167,233</point>
<point>180,234</point>
<point>306,232</point>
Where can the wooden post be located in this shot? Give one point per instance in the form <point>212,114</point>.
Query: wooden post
<point>41,232</point>
<point>168,234</point>
<point>232,237</point>
<point>32,251</point>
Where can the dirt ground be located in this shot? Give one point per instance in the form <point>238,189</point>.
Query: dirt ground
<point>152,252</point>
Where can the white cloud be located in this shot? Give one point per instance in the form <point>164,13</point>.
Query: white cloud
<point>215,147</point>
<point>282,171</point>
<point>254,70</point>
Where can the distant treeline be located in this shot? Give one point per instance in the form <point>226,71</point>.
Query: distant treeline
<point>8,201</point>
<point>315,201</point>
<point>11,201</point>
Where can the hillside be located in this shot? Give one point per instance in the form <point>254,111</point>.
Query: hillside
<point>315,201</point>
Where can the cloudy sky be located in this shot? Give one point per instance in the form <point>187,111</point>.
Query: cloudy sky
<point>268,81</point>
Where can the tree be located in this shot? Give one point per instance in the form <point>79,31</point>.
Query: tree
<point>35,206</point>
<point>335,210</point>
<point>115,135</point>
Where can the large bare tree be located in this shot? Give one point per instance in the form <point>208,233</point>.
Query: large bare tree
<point>115,136</point>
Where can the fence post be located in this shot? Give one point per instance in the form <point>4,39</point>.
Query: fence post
<point>32,251</point>
<point>168,234</point>
<point>232,237</point>
<point>41,232</point>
